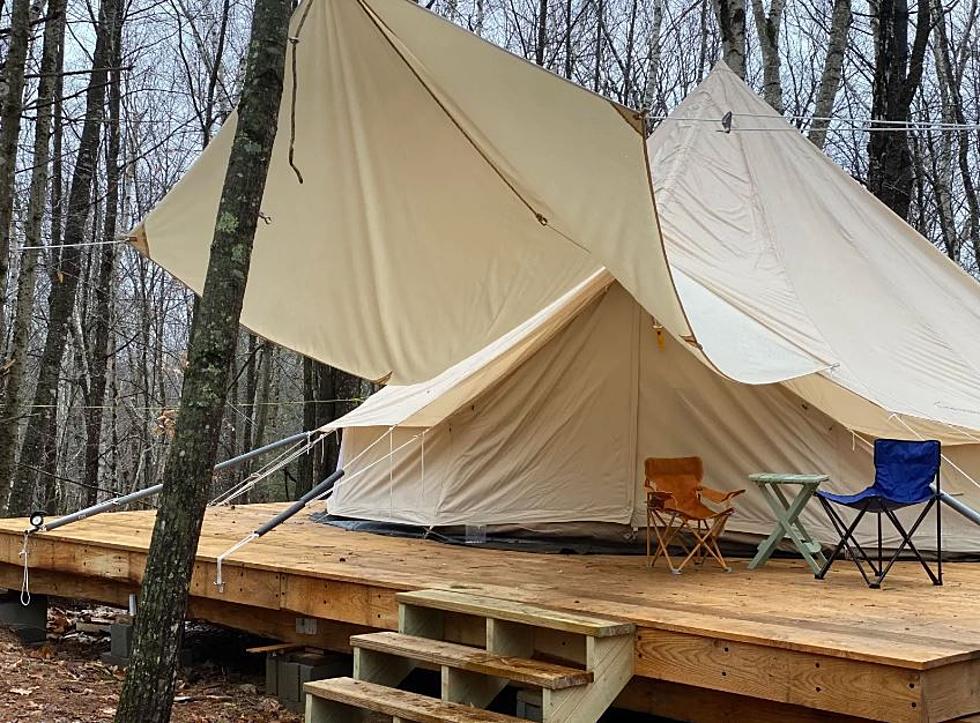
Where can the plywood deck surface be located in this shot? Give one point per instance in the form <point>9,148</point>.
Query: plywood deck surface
<point>909,624</point>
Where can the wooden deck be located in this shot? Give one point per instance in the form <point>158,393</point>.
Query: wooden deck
<point>773,644</point>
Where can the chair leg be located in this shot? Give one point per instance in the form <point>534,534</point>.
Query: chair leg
<point>907,542</point>
<point>846,533</point>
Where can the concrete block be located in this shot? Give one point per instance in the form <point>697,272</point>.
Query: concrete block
<point>289,691</point>
<point>121,640</point>
<point>28,622</point>
<point>272,675</point>
<point>529,705</point>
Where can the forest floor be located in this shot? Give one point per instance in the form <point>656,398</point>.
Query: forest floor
<point>64,680</point>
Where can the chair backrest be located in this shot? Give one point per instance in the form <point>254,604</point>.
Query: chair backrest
<point>680,476</point>
<point>668,466</point>
<point>904,469</point>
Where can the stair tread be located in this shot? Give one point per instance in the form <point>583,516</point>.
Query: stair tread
<point>511,611</point>
<point>400,703</point>
<point>474,660</point>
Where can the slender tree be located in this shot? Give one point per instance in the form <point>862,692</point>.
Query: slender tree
<point>14,390</point>
<point>767,27</point>
<point>898,72</point>
<point>99,349</point>
<point>731,23</point>
<point>37,450</point>
<point>11,108</point>
<point>830,77</point>
<point>148,691</point>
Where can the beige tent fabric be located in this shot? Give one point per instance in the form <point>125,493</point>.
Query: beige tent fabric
<point>769,224</point>
<point>450,191</point>
<point>563,436</point>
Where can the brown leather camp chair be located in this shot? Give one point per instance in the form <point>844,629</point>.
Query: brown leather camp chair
<point>674,506</point>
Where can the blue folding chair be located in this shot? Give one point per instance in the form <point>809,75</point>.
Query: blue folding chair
<point>904,476</point>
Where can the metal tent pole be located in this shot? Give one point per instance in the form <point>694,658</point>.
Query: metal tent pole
<point>964,509</point>
<point>40,526</point>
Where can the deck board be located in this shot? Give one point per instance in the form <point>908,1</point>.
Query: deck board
<point>909,625</point>
<point>909,621</point>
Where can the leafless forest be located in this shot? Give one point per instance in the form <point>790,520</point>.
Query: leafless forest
<point>103,108</point>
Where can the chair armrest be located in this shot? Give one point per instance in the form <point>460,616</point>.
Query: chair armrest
<point>717,495</point>
<point>658,499</point>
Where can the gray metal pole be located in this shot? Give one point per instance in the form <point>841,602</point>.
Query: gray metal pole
<point>140,494</point>
<point>235,461</point>
<point>964,509</point>
<point>101,507</point>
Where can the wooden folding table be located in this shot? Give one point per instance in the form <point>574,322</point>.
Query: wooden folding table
<point>774,488</point>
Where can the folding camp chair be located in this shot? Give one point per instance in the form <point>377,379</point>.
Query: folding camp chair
<point>904,476</point>
<point>675,506</point>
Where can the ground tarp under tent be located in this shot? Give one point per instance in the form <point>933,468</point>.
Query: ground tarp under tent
<point>454,213</point>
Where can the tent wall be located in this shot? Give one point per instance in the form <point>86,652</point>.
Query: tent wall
<point>562,439</point>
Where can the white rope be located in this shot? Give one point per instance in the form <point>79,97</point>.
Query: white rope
<point>25,585</point>
<point>859,124</point>
<point>70,246</point>
<point>946,459</point>
<point>369,447</point>
<point>218,578</point>
<point>350,478</point>
<point>283,459</point>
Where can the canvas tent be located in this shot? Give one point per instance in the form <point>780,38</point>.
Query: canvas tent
<point>453,206</point>
<point>779,259</point>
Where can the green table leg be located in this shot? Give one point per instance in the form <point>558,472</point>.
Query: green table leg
<point>788,525</point>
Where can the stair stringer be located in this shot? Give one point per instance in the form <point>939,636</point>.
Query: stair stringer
<point>611,662</point>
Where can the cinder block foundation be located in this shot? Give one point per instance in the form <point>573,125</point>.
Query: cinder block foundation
<point>28,622</point>
<point>529,704</point>
<point>286,674</point>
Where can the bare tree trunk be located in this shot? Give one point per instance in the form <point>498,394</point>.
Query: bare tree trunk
<point>731,23</point>
<point>304,473</point>
<point>147,694</point>
<point>99,351</point>
<point>652,105</point>
<point>37,449</point>
<point>767,27</point>
<point>950,78</point>
<point>15,388</point>
<point>833,66</point>
<point>542,32</point>
<point>10,114</point>
<point>896,81</point>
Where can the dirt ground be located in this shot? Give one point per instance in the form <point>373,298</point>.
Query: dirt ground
<point>64,680</point>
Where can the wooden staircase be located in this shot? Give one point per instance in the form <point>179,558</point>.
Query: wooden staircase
<point>579,664</point>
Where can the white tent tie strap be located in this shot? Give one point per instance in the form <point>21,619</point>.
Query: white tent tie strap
<point>279,518</point>
<point>25,585</point>
<point>219,579</point>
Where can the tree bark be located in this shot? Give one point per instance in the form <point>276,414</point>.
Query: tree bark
<point>542,39</point>
<point>37,449</point>
<point>898,73</point>
<point>833,66</point>
<point>15,388</point>
<point>10,114</point>
<point>652,105</point>
<point>731,23</point>
<point>99,351</point>
<point>950,78</point>
<point>147,694</point>
<point>767,27</point>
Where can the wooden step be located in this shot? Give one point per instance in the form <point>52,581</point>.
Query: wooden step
<point>399,703</point>
<point>516,612</point>
<point>474,660</point>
